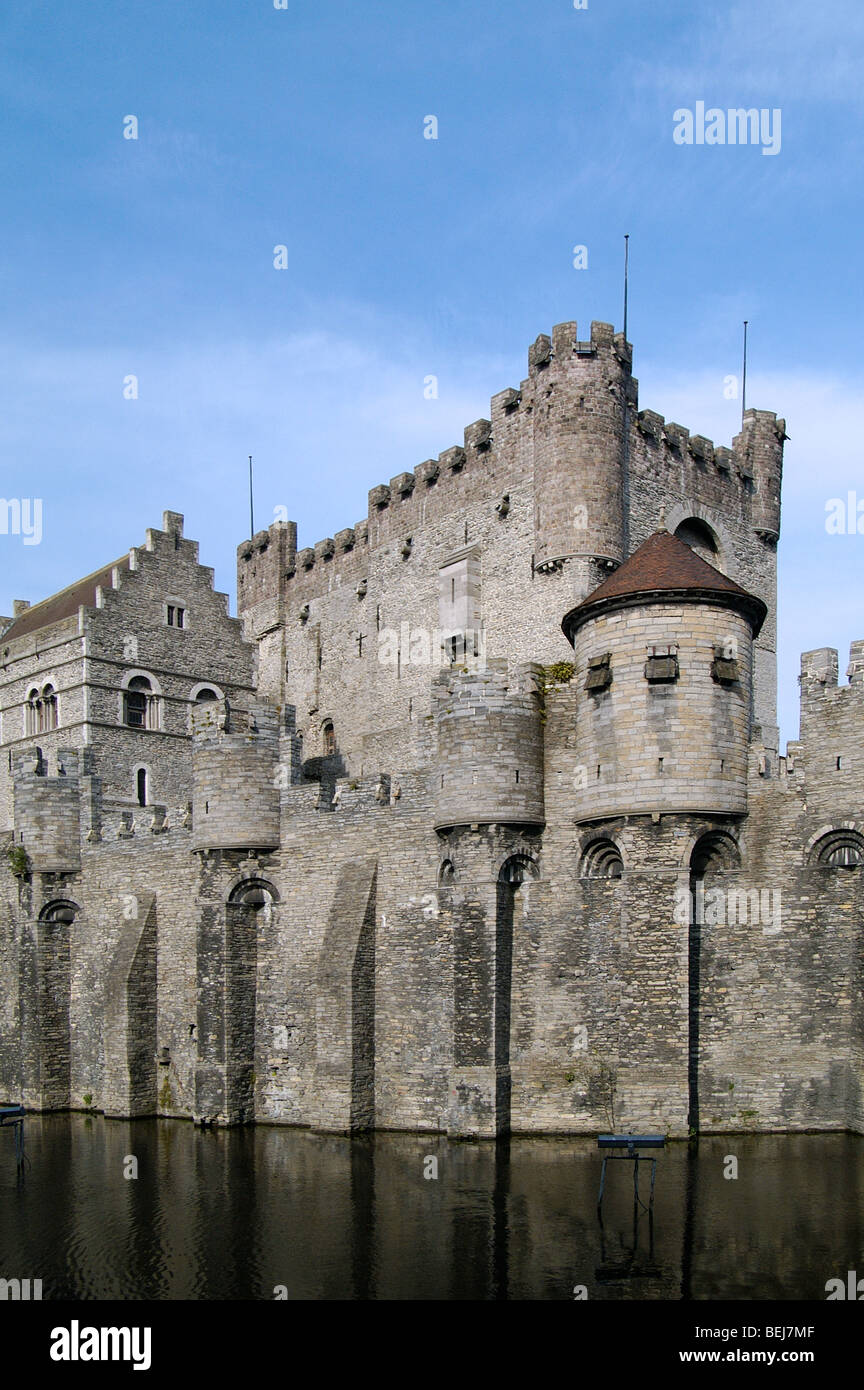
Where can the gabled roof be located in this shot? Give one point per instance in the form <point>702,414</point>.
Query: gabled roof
<point>65,604</point>
<point>664,567</point>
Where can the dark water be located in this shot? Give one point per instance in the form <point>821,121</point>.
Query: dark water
<point>233,1214</point>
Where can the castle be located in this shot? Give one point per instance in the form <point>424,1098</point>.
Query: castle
<point>473,821</point>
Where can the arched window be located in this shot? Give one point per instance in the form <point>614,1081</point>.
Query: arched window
<point>516,870</point>
<point>446,873</point>
<point>32,711</point>
<point>141,786</point>
<point>204,694</point>
<point>601,859</point>
<point>841,849</point>
<point>59,911</point>
<point>256,893</point>
<point>328,737</point>
<point>141,704</point>
<point>699,536</point>
<point>713,853</point>
<point>49,709</point>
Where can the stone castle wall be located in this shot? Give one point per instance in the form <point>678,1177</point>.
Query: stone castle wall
<point>380,926</point>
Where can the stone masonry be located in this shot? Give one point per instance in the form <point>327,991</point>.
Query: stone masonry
<point>475,819</point>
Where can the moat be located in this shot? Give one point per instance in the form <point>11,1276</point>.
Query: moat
<point>238,1214</point>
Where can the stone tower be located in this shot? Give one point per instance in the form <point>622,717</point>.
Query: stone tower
<point>663,652</point>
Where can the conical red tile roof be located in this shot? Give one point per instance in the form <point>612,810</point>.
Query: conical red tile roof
<point>664,566</point>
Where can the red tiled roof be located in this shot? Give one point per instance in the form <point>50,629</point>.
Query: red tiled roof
<point>665,565</point>
<point>63,605</point>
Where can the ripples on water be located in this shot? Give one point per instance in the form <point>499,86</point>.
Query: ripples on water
<point>233,1213</point>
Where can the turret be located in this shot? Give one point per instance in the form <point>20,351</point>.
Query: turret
<point>582,391</point>
<point>47,810</point>
<point>758,451</point>
<point>490,746</point>
<point>235,784</point>
<point>262,564</point>
<point>664,660</point>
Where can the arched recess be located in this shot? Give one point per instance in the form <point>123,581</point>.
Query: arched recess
<point>203,691</point>
<point>838,848</point>
<point>45,995</point>
<point>712,853</point>
<point>601,858</point>
<point>249,913</point>
<point>705,533</point>
<point>446,873</point>
<point>515,875</point>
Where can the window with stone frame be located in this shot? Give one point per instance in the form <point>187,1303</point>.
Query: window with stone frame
<point>724,667</point>
<point>141,705</point>
<point>661,667</point>
<point>599,672</point>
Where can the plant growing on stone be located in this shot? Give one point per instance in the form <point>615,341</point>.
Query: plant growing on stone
<point>560,672</point>
<point>19,861</point>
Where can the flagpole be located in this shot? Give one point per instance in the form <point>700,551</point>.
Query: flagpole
<point>626,274</point>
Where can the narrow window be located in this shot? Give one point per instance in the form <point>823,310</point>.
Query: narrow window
<point>31,713</point>
<point>181,614</point>
<point>141,781</point>
<point>49,708</point>
<point>170,616</point>
<point>329,738</point>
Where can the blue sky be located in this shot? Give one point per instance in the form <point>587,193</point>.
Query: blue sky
<point>406,256</point>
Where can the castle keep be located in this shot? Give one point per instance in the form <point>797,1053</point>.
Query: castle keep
<point>474,820</point>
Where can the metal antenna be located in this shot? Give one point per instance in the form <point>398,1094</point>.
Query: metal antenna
<point>251,513</point>
<point>626,275</point>
<point>744,376</point>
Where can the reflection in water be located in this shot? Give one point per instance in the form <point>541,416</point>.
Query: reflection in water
<point>237,1213</point>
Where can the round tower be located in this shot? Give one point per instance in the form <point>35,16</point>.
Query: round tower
<point>582,392</point>
<point>490,747</point>
<point>664,659</point>
<point>235,787</point>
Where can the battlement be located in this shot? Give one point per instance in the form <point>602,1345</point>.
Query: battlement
<point>820,671</point>
<point>571,426</point>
